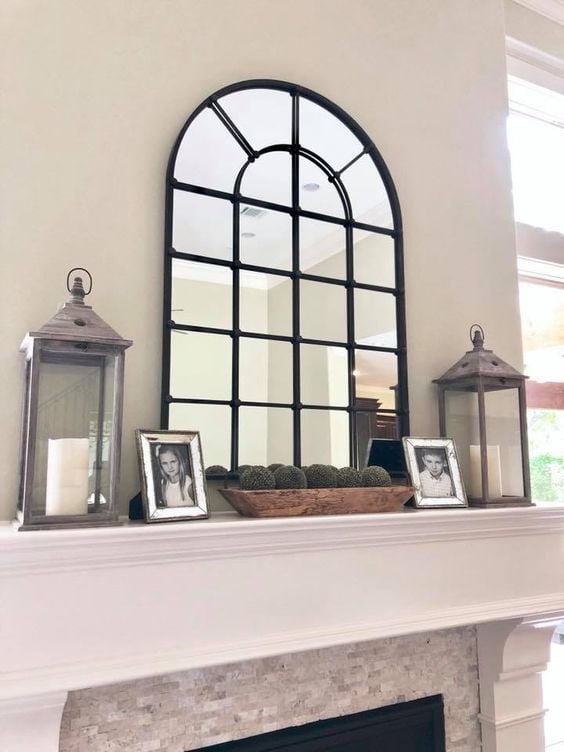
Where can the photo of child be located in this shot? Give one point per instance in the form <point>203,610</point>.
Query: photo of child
<point>173,477</point>
<point>434,477</point>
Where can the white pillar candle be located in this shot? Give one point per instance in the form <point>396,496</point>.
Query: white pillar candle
<point>494,472</point>
<point>67,476</point>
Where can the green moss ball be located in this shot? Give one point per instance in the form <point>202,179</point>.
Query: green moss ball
<point>275,465</point>
<point>349,477</point>
<point>256,478</point>
<point>375,476</point>
<point>216,470</point>
<point>241,469</point>
<point>289,476</point>
<point>321,476</point>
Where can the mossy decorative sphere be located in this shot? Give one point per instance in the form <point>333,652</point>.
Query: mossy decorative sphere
<point>349,477</point>
<point>216,470</point>
<point>275,465</point>
<point>375,476</point>
<point>241,469</point>
<point>256,478</point>
<point>321,476</point>
<point>290,476</point>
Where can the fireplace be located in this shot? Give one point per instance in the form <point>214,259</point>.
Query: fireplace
<point>416,726</point>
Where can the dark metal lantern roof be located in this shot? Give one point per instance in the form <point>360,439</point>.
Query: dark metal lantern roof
<point>479,363</point>
<point>77,322</point>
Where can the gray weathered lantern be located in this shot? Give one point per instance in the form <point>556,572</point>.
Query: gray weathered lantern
<point>482,406</point>
<point>72,419</point>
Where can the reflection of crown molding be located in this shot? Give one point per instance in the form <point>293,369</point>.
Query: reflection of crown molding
<point>193,271</point>
<point>551,9</point>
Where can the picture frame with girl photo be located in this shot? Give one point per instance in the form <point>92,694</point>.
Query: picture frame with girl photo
<point>173,481</point>
<point>435,473</point>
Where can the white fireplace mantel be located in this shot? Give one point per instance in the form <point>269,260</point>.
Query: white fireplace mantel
<point>96,606</point>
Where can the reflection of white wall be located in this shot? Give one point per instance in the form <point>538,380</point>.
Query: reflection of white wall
<point>201,303</point>
<point>280,387</point>
<point>338,395</point>
<point>202,364</point>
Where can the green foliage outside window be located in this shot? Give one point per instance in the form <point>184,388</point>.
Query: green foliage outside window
<point>546,454</point>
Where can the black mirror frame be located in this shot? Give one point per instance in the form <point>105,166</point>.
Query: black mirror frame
<point>169,325</point>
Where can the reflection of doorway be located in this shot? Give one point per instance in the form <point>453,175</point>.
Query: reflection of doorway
<point>372,425</point>
<point>542,317</point>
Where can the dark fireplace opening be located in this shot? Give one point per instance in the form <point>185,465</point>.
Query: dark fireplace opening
<point>415,726</point>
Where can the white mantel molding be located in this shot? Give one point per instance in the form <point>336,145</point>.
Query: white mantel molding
<point>226,536</point>
<point>98,606</point>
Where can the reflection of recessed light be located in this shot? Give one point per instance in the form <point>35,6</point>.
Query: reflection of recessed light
<point>248,234</point>
<point>356,372</point>
<point>311,187</point>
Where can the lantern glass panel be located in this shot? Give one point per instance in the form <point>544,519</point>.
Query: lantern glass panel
<point>75,404</point>
<point>503,431</point>
<point>461,411</point>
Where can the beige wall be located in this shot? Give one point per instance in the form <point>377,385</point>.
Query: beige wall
<point>95,94</point>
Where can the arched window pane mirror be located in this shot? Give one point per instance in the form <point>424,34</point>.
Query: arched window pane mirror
<point>284,323</point>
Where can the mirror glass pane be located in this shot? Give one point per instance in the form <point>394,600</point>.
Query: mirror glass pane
<point>214,424</point>
<point>200,366</point>
<point>375,318</point>
<point>323,311</point>
<point>265,370</point>
<point>263,116</point>
<point>376,377</point>
<point>201,294</point>
<point>265,435</point>
<point>269,178</point>
<point>369,200</point>
<point>374,259</point>
<point>317,194</point>
<point>324,375</point>
<point>202,225</point>
<point>322,133</point>
<point>209,155</point>
<point>322,248</point>
<point>265,302</point>
<point>325,437</point>
<point>265,237</point>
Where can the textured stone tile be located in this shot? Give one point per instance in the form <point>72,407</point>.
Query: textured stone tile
<point>192,709</point>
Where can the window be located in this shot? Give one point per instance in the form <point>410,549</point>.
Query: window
<point>536,141</point>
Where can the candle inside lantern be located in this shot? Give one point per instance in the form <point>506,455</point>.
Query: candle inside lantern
<point>67,476</point>
<point>494,472</point>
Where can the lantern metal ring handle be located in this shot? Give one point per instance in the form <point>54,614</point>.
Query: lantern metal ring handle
<point>477,336</point>
<point>80,269</point>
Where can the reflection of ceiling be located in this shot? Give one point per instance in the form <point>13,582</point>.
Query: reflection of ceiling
<point>210,156</point>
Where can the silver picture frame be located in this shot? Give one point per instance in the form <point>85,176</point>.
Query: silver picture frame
<point>173,479</point>
<point>435,474</point>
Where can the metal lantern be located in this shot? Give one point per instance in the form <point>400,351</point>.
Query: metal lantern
<point>72,419</point>
<point>482,405</point>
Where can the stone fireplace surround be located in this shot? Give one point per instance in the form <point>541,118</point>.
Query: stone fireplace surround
<point>95,612</point>
<point>197,708</point>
